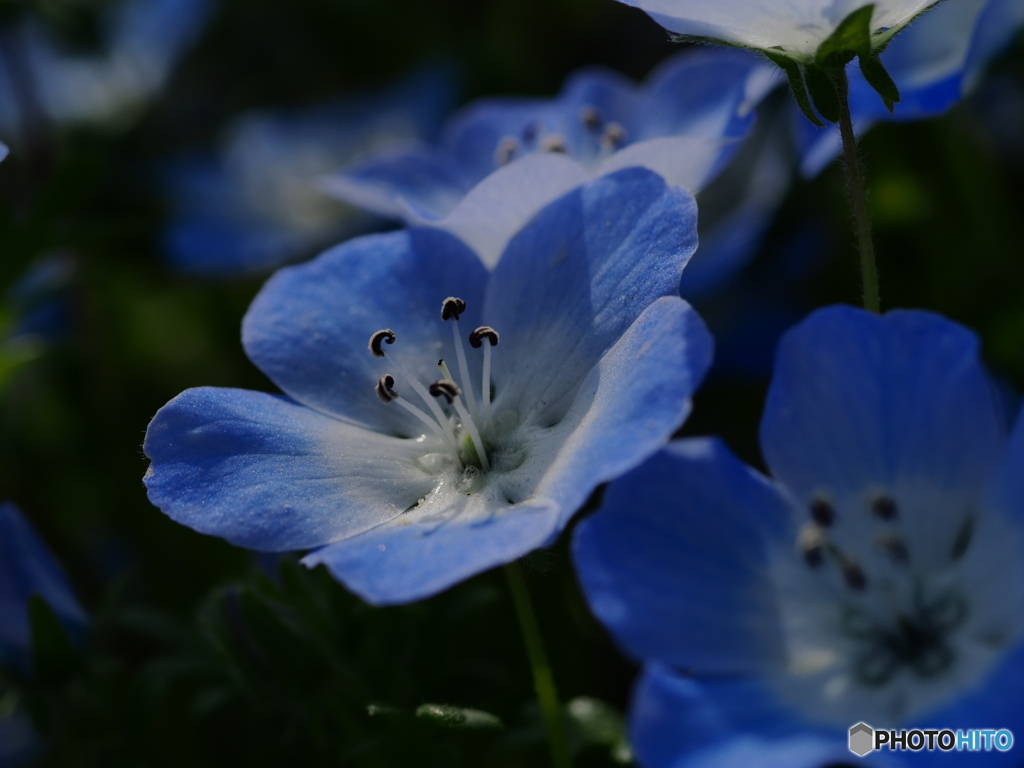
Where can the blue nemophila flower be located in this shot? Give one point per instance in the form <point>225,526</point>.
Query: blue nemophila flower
<point>793,29</point>
<point>936,62</point>
<point>878,578</point>
<point>143,42</point>
<point>500,160</point>
<point>256,204</point>
<point>27,568</point>
<point>440,418</point>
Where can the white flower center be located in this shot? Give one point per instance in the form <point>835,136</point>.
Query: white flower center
<point>476,439</point>
<point>887,612</point>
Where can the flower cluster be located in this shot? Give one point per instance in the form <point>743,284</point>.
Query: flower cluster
<point>477,349</point>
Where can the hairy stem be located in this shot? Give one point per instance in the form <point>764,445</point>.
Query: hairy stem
<point>858,194</point>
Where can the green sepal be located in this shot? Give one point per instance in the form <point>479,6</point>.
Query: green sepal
<point>462,718</point>
<point>823,93</point>
<point>851,38</point>
<point>54,656</point>
<point>878,78</point>
<point>796,84</point>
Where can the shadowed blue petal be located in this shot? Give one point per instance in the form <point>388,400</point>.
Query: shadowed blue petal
<point>630,404</point>
<point>309,326</point>
<point>572,281</point>
<point>394,183</point>
<point>27,568</point>
<point>267,473</point>
<point>399,563</point>
<point>674,563</point>
<point>898,402</point>
<point>677,722</point>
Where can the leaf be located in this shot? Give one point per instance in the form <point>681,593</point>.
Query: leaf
<point>851,38</point>
<point>878,78</point>
<point>823,93</point>
<point>448,716</point>
<point>796,84</point>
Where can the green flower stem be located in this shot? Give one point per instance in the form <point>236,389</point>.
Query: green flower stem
<point>858,194</point>
<point>543,681</point>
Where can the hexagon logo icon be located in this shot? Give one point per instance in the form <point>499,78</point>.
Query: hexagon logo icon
<point>862,739</point>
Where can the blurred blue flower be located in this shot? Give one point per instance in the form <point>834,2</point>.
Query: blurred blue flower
<point>41,82</point>
<point>794,30</point>
<point>257,204</point>
<point>27,568</point>
<point>500,160</point>
<point>935,62</point>
<point>407,487</point>
<point>878,579</point>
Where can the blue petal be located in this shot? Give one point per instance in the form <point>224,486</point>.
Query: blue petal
<point>676,722</point>
<point>897,403</point>
<point>393,183</point>
<point>309,326</point>
<point>1005,490</point>
<point>266,473</point>
<point>212,247</point>
<point>710,92</point>
<point>579,274</point>
<point>400,562</point>
<point>673,564</point>
<point>3,151</point>
<point>27,568</point>
<point>629,406</point>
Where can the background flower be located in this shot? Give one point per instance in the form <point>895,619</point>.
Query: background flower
<point>897,499</point>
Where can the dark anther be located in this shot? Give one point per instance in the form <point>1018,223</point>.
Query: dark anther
<point>476,338</point>
<point>895,547</point>
<point>506,150</point>
<point>446,389</point>
<point>822,511</point>
<point>590,117</point>
<point>386,388</point>
<point>884,507</point>
<point>614,135</point>
<point>554,143</point>
<point>452,308</point>
<point>854,575</point>
<point>387,336</point>
<point>811,542</point>
<point>530,133</point>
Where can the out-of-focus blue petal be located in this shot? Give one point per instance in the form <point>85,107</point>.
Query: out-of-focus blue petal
<point>1005,491</point>
<point>601,122</point>
<point>896,403</point>
<point>267,473</point>
<point>399,563</point>
<point>676,722</point>
<point>672,562</point>
<point>27,568</point>
<point>572,281</point>
<point>3,151</point>
<point>309,326</point>
<point>260,201</point>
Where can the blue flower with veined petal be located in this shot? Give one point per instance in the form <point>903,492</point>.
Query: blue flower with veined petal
<point>879,578</point>
<point>144,40</point>
<point>256,203</point>
<point>406,475</point>
<point>935,62</point>
<point>502,159</point>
